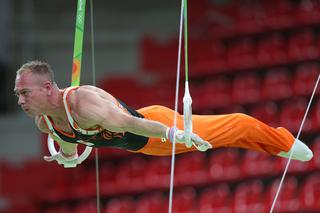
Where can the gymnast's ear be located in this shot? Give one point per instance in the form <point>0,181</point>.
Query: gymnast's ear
<point>48,86</point>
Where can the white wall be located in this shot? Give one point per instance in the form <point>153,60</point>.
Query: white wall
<point>19,138</point>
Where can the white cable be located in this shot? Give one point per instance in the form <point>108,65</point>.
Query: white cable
<point>298,135</point>
<point>175,111</point>
<point>93,61</point>
<point>187,115</point>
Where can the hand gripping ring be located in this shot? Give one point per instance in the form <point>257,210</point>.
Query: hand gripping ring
<point>53,150</point>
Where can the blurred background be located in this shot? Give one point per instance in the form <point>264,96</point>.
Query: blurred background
<point>258,57</point>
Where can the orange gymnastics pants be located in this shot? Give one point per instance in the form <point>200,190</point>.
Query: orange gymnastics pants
<point>230,130</point>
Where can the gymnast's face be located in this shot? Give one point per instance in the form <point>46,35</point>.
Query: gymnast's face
<point>31,93</point>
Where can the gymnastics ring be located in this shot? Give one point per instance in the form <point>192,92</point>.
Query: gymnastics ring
<point>53,150</point>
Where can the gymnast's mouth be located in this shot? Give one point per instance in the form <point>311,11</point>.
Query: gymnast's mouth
<point>25,109</point>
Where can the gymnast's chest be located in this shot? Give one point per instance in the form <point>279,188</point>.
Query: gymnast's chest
<point>62,125</point>
<point>65,126</point>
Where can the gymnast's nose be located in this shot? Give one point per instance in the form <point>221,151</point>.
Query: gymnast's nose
<point>21,100</point>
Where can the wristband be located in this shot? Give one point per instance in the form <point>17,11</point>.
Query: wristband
<point>170,133</point>
<point>68,155</point>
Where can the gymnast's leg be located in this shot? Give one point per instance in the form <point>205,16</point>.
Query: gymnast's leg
<point>243,131</point>
<point>231,130</point>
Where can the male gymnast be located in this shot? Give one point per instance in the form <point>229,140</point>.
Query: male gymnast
<point>91,116</point>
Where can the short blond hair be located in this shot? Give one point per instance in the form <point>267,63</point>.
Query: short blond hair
<point>38,68</point>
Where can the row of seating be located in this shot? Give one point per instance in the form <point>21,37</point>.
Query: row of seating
<point>242,18</point>
<point>243,88</point>
<point>274,84</point>
<point>30,178</point>
<point>248,196</point>
<point>21,185</point>
<point>290,115</point>
<point>237,18</point>
<point>207,56</point>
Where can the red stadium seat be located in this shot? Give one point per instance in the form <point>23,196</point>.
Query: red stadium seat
<point>295,165</point>
<point>20,204</point>
<point>311,193</point>
<point>241,54</point>
<point>52,178</point>
<point>302,45</point>
<point>216,199</point>
<point>292,113</point>
<point>225,164</point>
<point>277,84</point>
<point>279,14</point>
<point>246,89</point>
<point>191,168</point>
<point>120,205</point>
<point>85,186</point>
<point>272,50</point>
<point>249,19</point>
<point>184,201</point>
<point>119,86</point>
<point>267,113</point>
<point>249,197</point>
<point>213,94</point>
<point>222,28</point>
<point>288,200</point>
<point>130,175</point>
<point>58,209</point>
<point>197,15</point>
<point>257,164</point>
<point>315,162</point>
<point>315,116</point>
<point>308,12</point>
<point>157,173</point>
<point>153,203</point>
<point>163,92</point>
<point>107,178</point>
<point>159,56</point>
<point>86,207</point>
<point>305,79</point>
<point>197,94</point>
<point>206,57</point>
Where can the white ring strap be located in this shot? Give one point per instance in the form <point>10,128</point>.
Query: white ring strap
<point>53,150</point>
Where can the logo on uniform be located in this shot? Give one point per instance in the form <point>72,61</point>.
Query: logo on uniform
<point>111,135</point>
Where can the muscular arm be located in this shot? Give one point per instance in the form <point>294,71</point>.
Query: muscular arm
<point>67,148</point>
<point>100,111</point>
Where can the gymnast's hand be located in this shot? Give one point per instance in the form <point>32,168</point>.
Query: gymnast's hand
<point>68,161</point>
<point>198,142</point>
